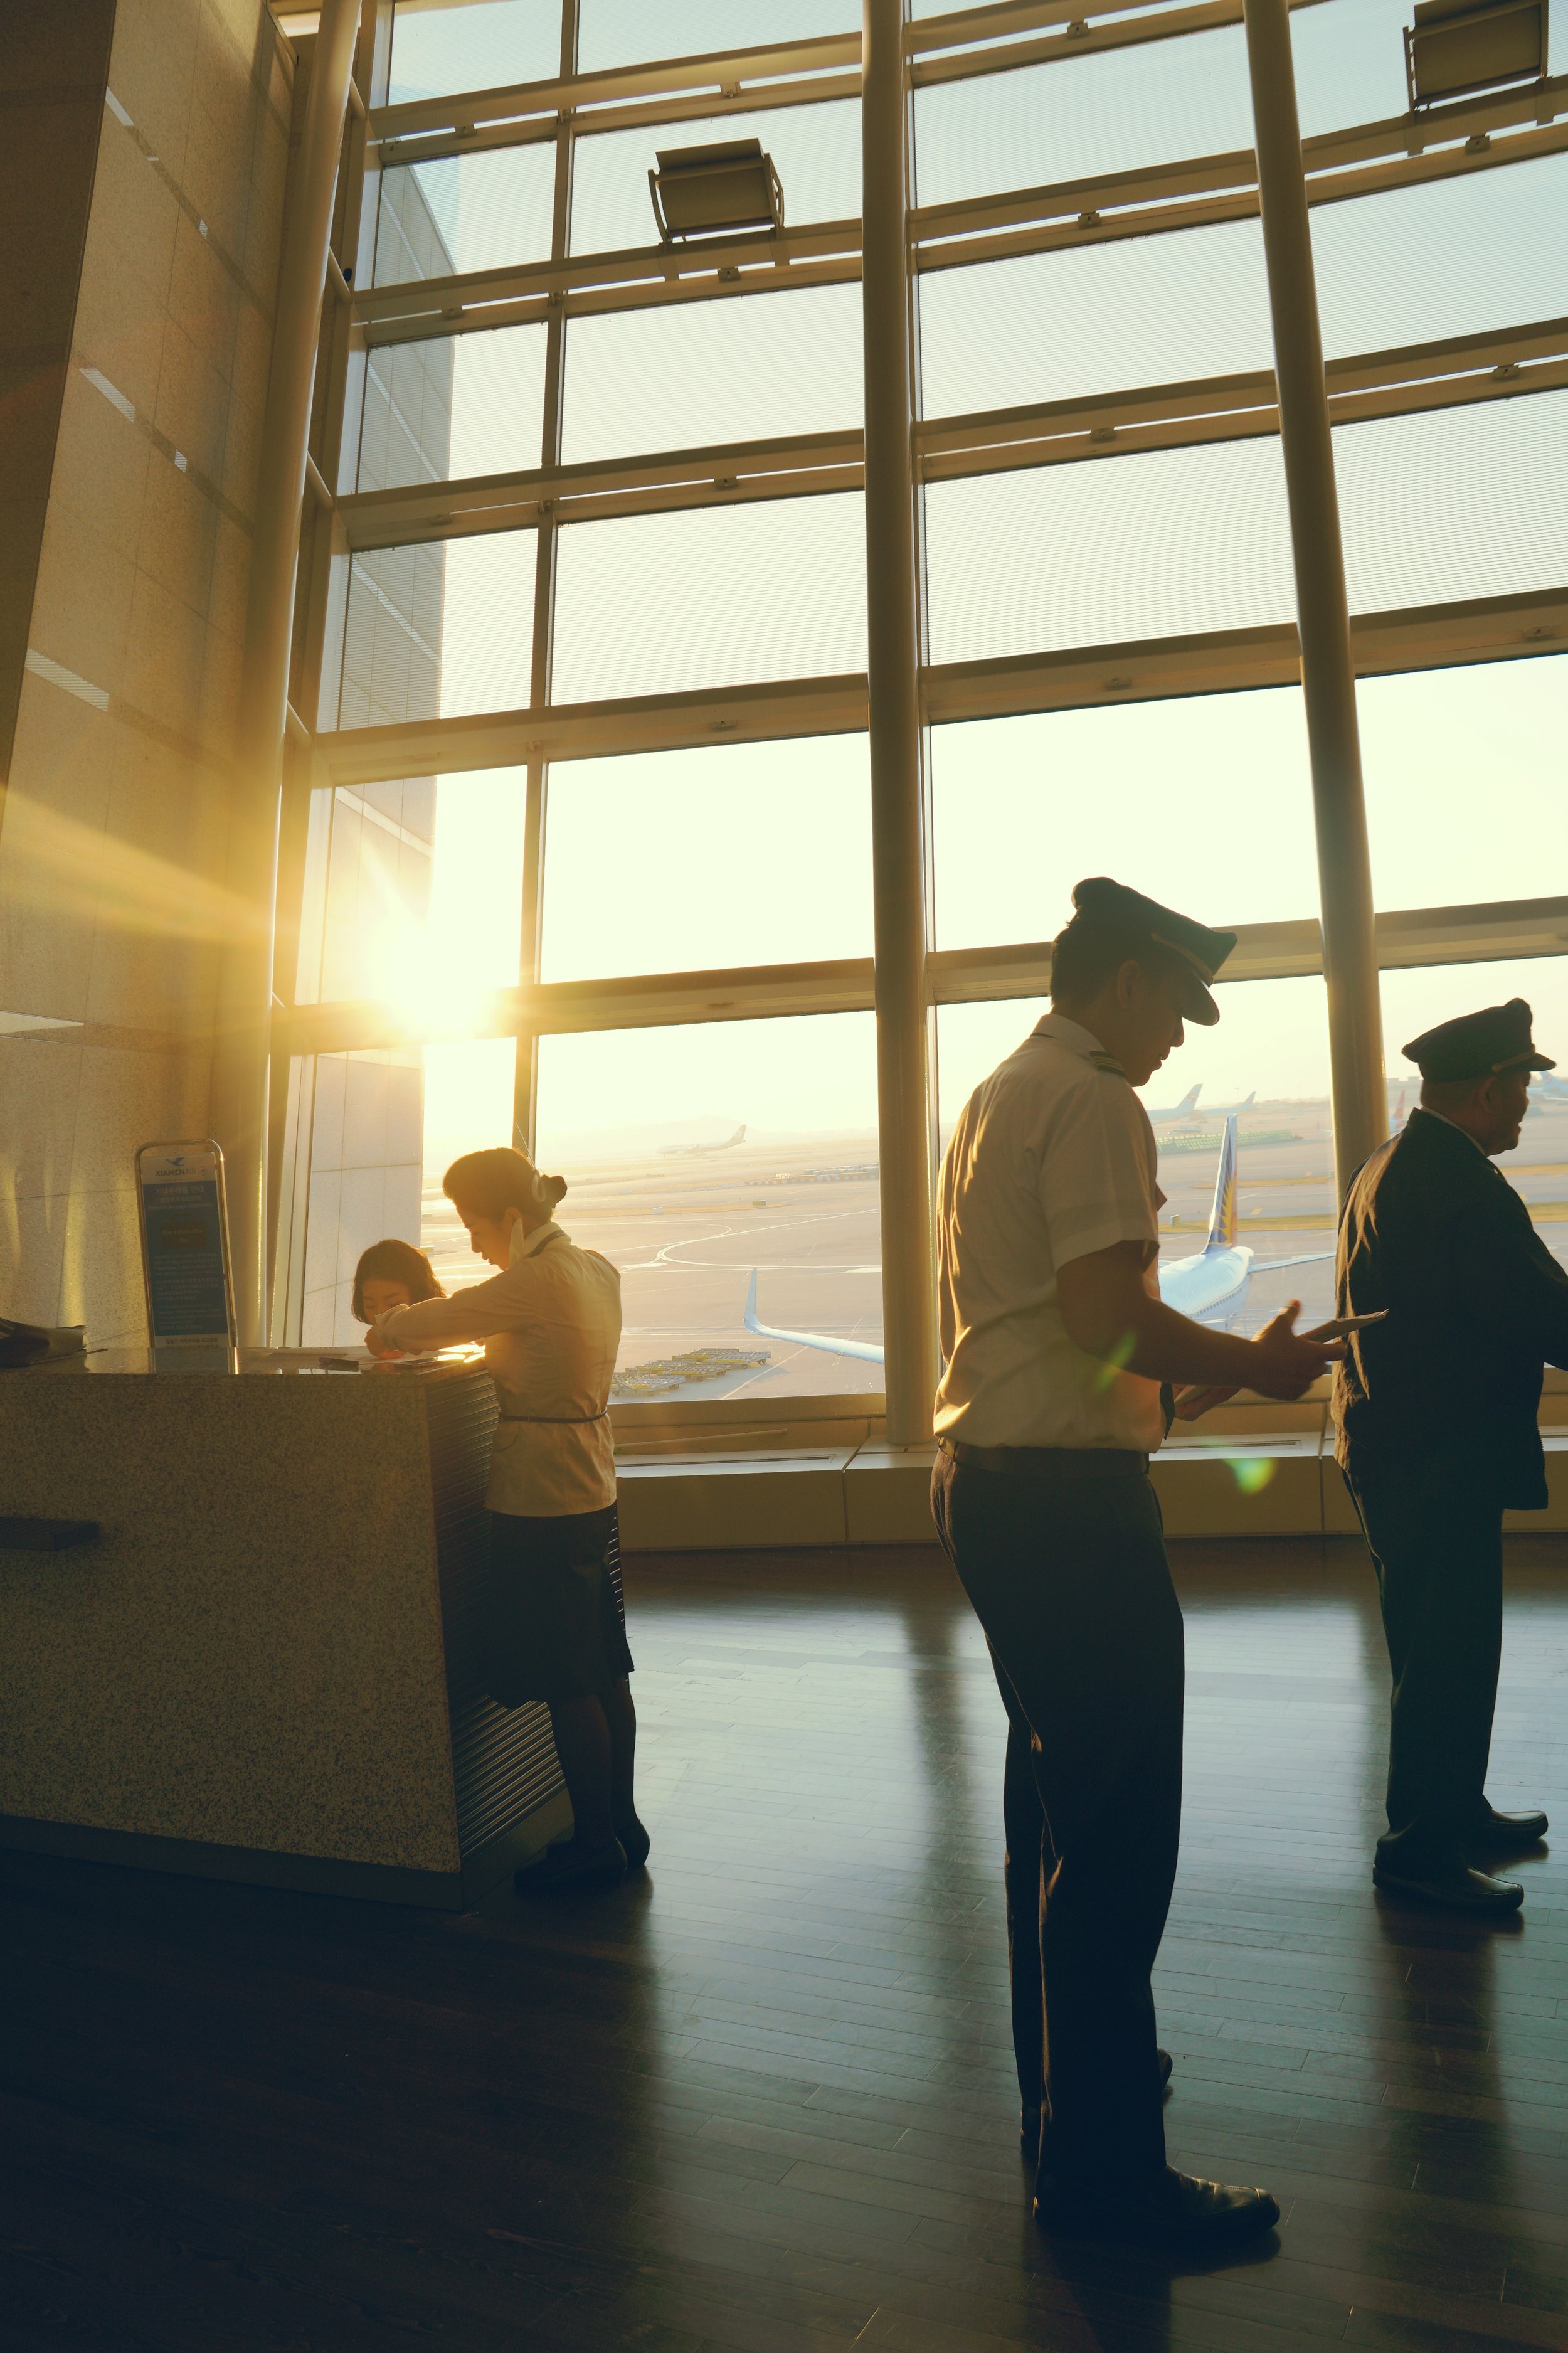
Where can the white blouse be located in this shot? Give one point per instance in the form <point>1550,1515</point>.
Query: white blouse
<point>551,1322</point>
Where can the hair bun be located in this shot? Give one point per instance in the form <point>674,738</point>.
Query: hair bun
<point>552,1189</point>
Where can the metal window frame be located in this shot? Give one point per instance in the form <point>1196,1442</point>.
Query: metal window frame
<point>1423,937</point>
<point>1503,364</point>
<point>1472,135</point>
<point>1475,135</point>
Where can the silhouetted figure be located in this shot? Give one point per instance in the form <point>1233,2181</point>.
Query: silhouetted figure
<point>1436,1414</point>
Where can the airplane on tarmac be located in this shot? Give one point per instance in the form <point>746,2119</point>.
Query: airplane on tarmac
<point>1188,1108</point>
<point>1183,1110</point>
<point>700,1151</point>
<point>1210,1287</point>
<point>1548,1090</point>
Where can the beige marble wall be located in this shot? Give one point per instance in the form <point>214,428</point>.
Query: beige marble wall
<point>112,841</point>
<point>53,64</point>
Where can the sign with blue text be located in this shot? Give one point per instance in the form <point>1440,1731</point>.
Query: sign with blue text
<point>184,1249</point>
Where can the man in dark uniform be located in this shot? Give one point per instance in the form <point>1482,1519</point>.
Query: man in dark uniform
<point>1475,1304</point>
<point>1057,1343</point>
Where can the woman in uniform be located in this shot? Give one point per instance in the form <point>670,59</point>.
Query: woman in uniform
<point>551,1322</point>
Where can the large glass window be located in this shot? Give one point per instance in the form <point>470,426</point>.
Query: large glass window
<point>710,1156</point>
<point>467,1103</point>
<point>652,603</point>
<point>715,859</point>
<point>626,32</point>
<point>1350,62</point>
<point>453,406</point>
<point>362,1119</point>
<point>1206,804</point>
<point>1464,773</point>
<point>438,630</point>
<point>699,1156</point>
<point>1449,258</point>
<point>413,893</point>
<point>465,212</point>
<point>747,368</point>
<point>1105,318</point>
<point>1101,551</point>
<point>1457,503</point>
<point>1079,116</point>
<point>442,47</point>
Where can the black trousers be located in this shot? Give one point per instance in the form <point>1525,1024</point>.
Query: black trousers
<point>1071,1581</point>
<point>1433,1529</point>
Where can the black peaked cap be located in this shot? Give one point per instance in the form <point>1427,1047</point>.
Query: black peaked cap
<point>1199,950</point>
<point>1479,1045</point>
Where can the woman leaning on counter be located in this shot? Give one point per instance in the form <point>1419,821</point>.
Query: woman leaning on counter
<point>551,1322</point>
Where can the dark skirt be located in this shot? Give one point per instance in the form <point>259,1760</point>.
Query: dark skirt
<point>555,1628</point>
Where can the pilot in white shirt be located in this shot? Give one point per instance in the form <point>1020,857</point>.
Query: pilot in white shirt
<point>1057,1346</point>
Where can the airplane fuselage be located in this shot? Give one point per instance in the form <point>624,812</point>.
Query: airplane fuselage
<point>1210,1288</point>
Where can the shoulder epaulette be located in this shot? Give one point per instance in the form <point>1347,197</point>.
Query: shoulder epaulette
<point>1104,1061</point>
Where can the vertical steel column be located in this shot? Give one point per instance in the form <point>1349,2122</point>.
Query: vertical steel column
<point>1328,672</point>
<point>525,1085</point>
<point>242,1040</point>
<point>898,780</point>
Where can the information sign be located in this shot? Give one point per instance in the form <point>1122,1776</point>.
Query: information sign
<point>184,1253</point>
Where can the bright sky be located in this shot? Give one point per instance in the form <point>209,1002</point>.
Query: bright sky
<point>757,854</point>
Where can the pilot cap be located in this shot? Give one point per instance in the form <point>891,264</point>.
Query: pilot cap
<point>1479,1045</point>
<point>1199,952</point>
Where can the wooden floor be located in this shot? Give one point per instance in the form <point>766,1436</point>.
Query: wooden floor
<point>764,2100</point>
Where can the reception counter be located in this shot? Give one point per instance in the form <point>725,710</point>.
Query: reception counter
<point>264,1665</point>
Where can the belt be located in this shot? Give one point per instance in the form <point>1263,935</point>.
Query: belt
<point>1050,1462</point>
<point>557,1420</point>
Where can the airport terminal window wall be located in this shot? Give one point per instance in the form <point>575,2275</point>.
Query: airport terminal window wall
<point>586,842</point>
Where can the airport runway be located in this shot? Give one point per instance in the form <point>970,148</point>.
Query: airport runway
<point>686,1234</point>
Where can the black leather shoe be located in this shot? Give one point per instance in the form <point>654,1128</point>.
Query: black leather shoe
<point>1029,2118</point>
<point>636,1842</point>
<point>1493,1829</point>
<point>1459,1891</point>
<point>1176,2210</point>
<point>571,1866</point>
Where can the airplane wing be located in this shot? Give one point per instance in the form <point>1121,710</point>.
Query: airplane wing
<point>861,1349</point>
<point>1307,1258</point>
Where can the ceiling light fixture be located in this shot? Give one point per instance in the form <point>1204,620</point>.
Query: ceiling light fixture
<point>713,191</point>
<point>1458,46</point>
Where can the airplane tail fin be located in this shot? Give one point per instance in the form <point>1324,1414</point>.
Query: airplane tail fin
<point>1251,1098</point>
<point>1190,1100</point>
<point>1222,1217</point>
<point>740,1135</point>
<point>752,1324</point>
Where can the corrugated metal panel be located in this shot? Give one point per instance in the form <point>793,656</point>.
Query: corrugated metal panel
<point>503,1759</point>
<point>503,1764</point>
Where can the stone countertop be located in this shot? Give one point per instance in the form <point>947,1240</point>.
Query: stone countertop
<point>251,1654</point>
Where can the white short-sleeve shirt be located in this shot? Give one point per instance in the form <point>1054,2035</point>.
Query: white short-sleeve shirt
<point>551,1322</point>
<point>1053,1158</point>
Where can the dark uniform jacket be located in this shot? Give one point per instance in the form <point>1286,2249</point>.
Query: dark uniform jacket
<point>1434,1233</point>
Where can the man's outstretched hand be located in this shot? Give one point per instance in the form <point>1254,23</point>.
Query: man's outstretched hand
<point>1285,1365</point>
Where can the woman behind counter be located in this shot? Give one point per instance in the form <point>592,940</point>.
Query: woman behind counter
<point>551,1322</point>
<point>392,1274</point>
